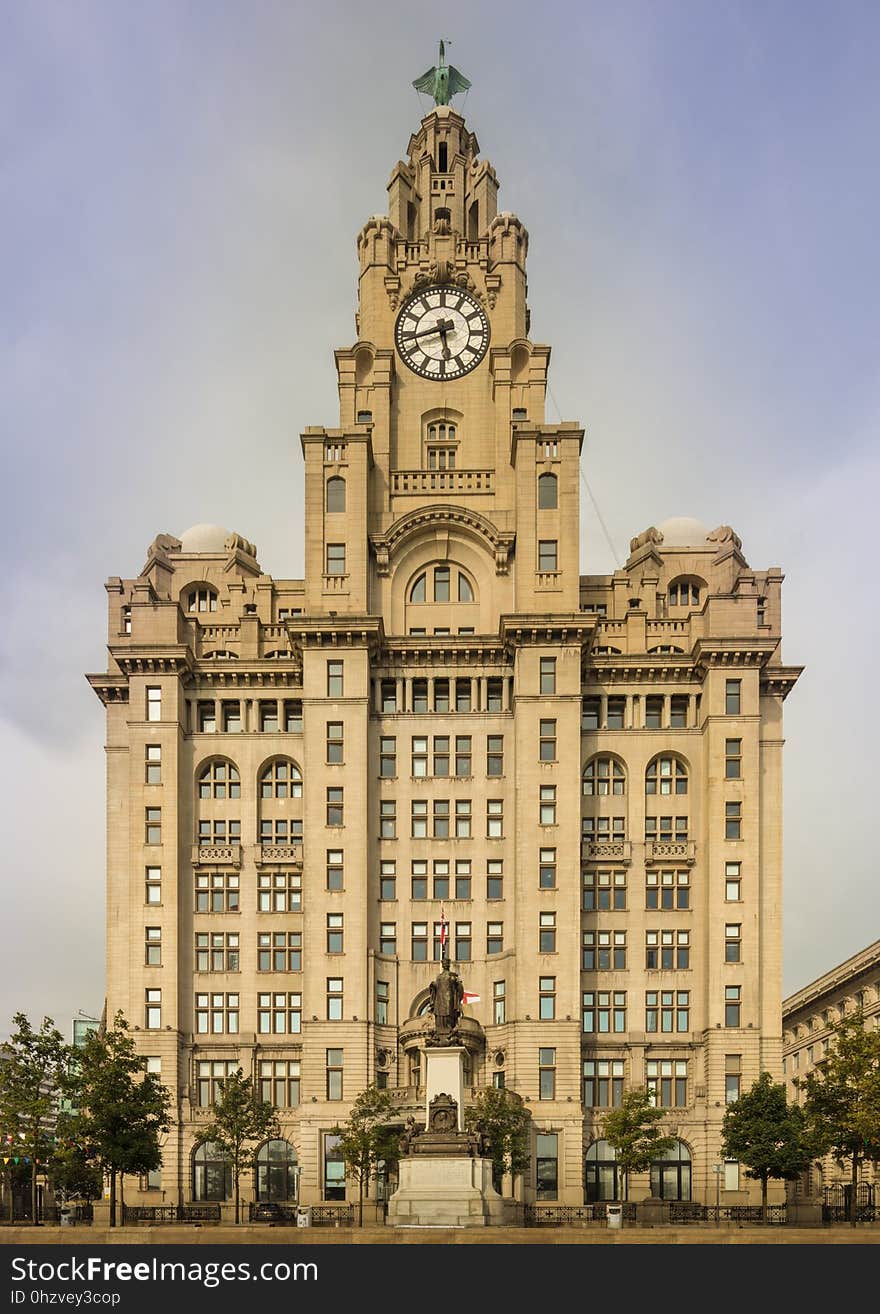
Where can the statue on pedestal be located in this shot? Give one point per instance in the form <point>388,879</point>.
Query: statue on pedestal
<point>446,998</point>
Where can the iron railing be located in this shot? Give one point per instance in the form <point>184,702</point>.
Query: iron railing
<point>191,1213</point>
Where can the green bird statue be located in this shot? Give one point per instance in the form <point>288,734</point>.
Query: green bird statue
<point>443,81</point>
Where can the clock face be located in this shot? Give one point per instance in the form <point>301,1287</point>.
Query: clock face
<point>442,333</point>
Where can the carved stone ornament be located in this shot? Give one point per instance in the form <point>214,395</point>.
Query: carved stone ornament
<point>651,535</point>
<point>444,272</point>
<point>443,1114</point>
<point>724,534</point>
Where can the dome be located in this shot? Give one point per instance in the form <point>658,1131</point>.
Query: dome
<point>204,538</point>
<point>683,531</point>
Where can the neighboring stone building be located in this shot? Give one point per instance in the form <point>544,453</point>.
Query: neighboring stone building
<point>444,722</point>
<point>807,1019</point>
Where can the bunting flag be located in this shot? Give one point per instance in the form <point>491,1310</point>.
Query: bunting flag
<point>470,999</point>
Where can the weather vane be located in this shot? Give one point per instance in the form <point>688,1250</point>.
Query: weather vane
<point>442,81</point>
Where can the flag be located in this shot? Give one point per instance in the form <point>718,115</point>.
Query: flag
<point>470,999</point>
<point>443,925</point>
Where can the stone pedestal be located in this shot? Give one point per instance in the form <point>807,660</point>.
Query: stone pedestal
<point>444,1075</point>
<point>447,1192</point>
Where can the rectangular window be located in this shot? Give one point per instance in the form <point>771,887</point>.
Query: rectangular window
<point>388,939</point>
<point>153,826</point>
<point>499,1002</point>
<point>547,741</point>
<point>667,1082</point>
<point>335,742</point>
<point>732,1078</point>
<point>382,1000</point>
<point>667,890</point>
<point>441,755</point>
<point>229,832</point>
<point>388,695</point>
<point>547,932</point>
<point>591,708</point>
<point>733,821</point>
<point>153,946</point>
<point>546,1074</point>
<point>153,764</point>
<point>732,1006</point>
<point>154,703</point>
<point>441,818</point>
<point>419,760</point>
<point>547,998</point>
<point>420,695</point>
<point>547,805</point>
<point>335,805</point>
<point>494,938</point>
<point>547,554</point>
<point>293,717</point>
<point>153,885</point>
<point>210,1076</point>
<point>731,1175</point>
<point>335,558</point>
<point>441,879</point>
<point>441,695</point>
<point>546,1166</point>
<point>462,755</point>
<point>231,718</point>
<point>463,942</point>
<point>732,697</point>
<point>614,714</point>
<point>667,950</point>
<point>269,716</point>
<point>280,1082</point>
<point>547,869</point>
<point>604,891</point>
<point>733,942</point>
<point>334,679</point>
<point>279,951</point>
<point>603,1083</point>
<point>495,818</point>
<point>387,880</point>
<point>732,882</point>
<point>603,951</point>
<point>334,1084</point>
<point>335,933</point>
<point>495,879</point>
<point>334,1162</point>
<point>334,998</point>
<point>152,1009</point>
<point>547,675</point>
<point>419,879</point>
<point>462,695</point>
<point>277,892</point>
<point>462,818</point>
<point>653,712</point>
<point>732,759</point>
<point>604,1011</point>
<point>667,1010</point>
<point>217,1014</point>
<point>126,620</point>
<point>495,755</point>
<point>494,695</point>
<point>678,711</point>
<point>216,951</point>
<point>463,878</point>
<point>335,869</point>
<point>666,829</point>
<point>387,818</point>
<point>419,942</point>
<point>279,1013</point>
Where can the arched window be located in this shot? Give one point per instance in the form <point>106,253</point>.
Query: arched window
<point>662,648</point>
<point>276,1171</point>
<point>600,1173</point>
<point>418,591</point>
<point>604,775</point>
<point>281,779</point>
<point>465,592</point>
<point>201,599</point>
<point>446,581</point>
<point>684,592</point>
<point>336,493</point>
<point>547,492</point>
<point>212,1173</point>
<point>666,775</point>
<point>671,1173</point>
<point>219,780</point>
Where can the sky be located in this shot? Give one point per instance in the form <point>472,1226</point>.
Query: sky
<point>181,185</point>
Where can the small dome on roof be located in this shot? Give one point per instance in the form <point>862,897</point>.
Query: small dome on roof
<point>683,531</point>
<point>204,538</point>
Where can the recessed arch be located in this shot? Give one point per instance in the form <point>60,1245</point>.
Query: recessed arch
<point>604,774</point>
<point>666,775</point>
<point>686,591</point>
<point>218,778</point>
<point>276,1171</point>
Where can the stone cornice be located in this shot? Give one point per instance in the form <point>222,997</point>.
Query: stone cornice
<point>865,961</point>
<point>742,652</point>
<point>445,650</point>
<point>337,632</point>
<point>779,680</point>
<point>244,676</point>
<point>385,546</point>
<point>568,628</point>
<point>158,659</point>
<point>639,668</point>
<point>109,688</point>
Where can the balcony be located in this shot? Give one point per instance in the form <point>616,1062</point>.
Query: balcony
<point>214,855</point>
<point>671,851</point>
<point>290,854</point>
<point>606,850</point>
<point>453,483</point>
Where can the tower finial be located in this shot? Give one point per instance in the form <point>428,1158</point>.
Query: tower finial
<point>442,81</point>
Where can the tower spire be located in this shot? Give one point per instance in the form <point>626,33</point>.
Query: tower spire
<point>442,81</point>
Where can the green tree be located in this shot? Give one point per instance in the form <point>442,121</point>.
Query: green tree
<point>240,1121</point>
<point>504,1120</point>
<point>366,1139</point>
<point>770,1136</point>
<point>634,1133</point>
<point>842,1098</point>
<point>30,1079</point>
<point>123,1108</point>
<point>73,1171</point>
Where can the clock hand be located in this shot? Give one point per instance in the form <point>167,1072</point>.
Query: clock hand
<point>441,326</point>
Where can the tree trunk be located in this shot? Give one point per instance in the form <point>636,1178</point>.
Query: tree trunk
<point>764,1198</point>
<point>122,1199</point>
<point>34,1219</point>
<point>237,1197</point>
<point>854,1188</point>
<point>361,1200</point>
<point>113,1197</point>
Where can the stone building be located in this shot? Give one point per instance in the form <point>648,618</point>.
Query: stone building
<point>446,729</point>
<point>807,1019</point>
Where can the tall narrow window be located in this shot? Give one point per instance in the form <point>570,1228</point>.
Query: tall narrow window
<point>732,759</point>
<point>335,558</point>
<point>547,492</point>
<point>546,1074</point>
<point>547,672</point>
<point>335,741</point>
<point>334,679</point>
<point>153,764</point>
<point>154,703</point>
<point>334,1092</point>
<point>499,1011</point>
<point>548,554</point>
<point>335,494</point>
<point>733,697</point>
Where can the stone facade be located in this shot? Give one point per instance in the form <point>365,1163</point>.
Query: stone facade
<point>444,722</point>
